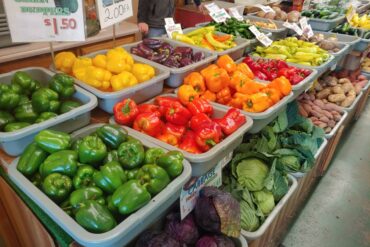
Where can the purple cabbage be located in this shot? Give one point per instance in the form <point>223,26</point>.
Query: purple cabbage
<point>137,51</point>
<point>152,43</point>
<point>145,50</point>
<point>185,61</point>
<point>156,239</point>
<point>185,231</point>
<point>166,47</point>
<point>215,241</point>
<point>198,56</point>
<point>159,57</point>
<point>172,62</point>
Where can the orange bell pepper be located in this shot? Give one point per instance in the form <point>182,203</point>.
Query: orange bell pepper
<point>237,78</point>
<point>257,102</point>
<point>237,100</point>
<point>273,94</point>
<point>249,86</point>
<point>227,63</point>
<point>208,95</point>
<point>282,84</point>
<point>216,79</point>
<point>224,96</point>
<point>205,71</point>
<point>195,79</point>
<point>244,68</point>
<point>187,94</point>
<point>168,138</point>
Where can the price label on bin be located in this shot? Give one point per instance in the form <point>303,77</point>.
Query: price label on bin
<point>220,15</point>
<point>266,41</point>
<point>266,9</point>
<point>40,21</point>
<point>172,27</point>
<point>113,11</point>
<point>306,28</point>
<point>294,27</point>
<point>235,13</point>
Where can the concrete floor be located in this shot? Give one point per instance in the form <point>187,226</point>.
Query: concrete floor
<point>338,212</point>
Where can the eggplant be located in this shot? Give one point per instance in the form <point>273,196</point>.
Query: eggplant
<point>172,62</point>
<point>177,55</point>
<point>137,51</point>
<point>159,57</point>
<point>152,43</point>
<point>145,50</point>
<point>183,50</point>
<point>198,56</point>
<point>185,61</point>
<point>166,47</point>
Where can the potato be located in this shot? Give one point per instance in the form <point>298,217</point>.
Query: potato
<point>320,124</point>
<point>323,94</point>
<point>347,87</point>
<point>302,111</point>
<point>332,123</point>
<point>282,16</point>
<point>327,114</point>
<point>344,80</point>
<point>319,103</point>
<point>325,101</point>
<point>358,88</point>
<point>293,16</point>
<point>348,101</point>
<point>327,130</point>
<point>316,114</point>
<point>270,15</point>
<point>351,93</point>
<point>261,14</point>
<point>316,108</point>
<point>314,119</point>
<point>332,107</point>
<point>337,89</point>
<point>324,119</point>
<point>336,98</point>
<point>307,108</point>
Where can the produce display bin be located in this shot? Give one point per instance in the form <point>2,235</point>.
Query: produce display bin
<point>13,143</point>
<point>139,92</point>
<point>335,129</point>
<point>365,5</point>
<point>280,33</point>
<point>202,163</point>
<point>123,233</point>
<point>235,52</point>
<point>351,108</point>
<point>342,38</point>
<point>299,175</point>
<point>364,89</point>
<point>344,50</point>
<point>275,212</point>
<point>325,25</point>
<point>363,44</point>
<point>177,74</point>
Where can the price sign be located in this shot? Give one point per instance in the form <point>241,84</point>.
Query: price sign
<point>212,7</point>
<point>235,13</point>
<point>294,27</point>
<point>306,28</point>
<point>190,191</point>
<point>171,27</point>
<point>266,9</point>
<point>220,15</point>
<point>40,21</point>
<point>112,12</point>
<point>266,41</point>
<point>306,4</point>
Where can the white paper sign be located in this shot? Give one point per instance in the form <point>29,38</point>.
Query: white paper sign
<point>235,13</point>
<point>306,28</point>
<point>169,21</point>
<point>220,15</point>
<point>111,12</point>
<point>190,191</point>
<point>173,28</point>
<point>266,9</point>
<point>45,21</point>
<point>294,27</point>
<point>306,4</point>
<point>212,7</point>
<point>266,41</point>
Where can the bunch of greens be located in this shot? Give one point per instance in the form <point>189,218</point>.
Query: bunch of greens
<point>234,27</point>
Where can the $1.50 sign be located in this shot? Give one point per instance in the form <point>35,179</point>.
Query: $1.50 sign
<point>113,11</point>
<point>45,20</point>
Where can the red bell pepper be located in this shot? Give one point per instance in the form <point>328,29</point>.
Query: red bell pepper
<point>232,120</point>
<point>200,106</point>
<point>148,123</point>
<point>148,108</point>
<point>287,72</point>
<point>188,143</point>
<point>164,103</point>
<point>168,138</point>
<point>208,135</point>
<point>177,114</point>
<point>125,111</point>
<point>198,120</point>
<point>281,64</point>
<point>176,130</point>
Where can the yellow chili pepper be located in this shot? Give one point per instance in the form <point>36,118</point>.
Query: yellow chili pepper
<point>143,72</point>
<point>64,61</point>
<point>123,80</point>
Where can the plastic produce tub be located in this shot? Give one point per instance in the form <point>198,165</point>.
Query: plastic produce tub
<point>13,143</point>
<point>364,89</point>
<point>128,228</point>
<point>325,25</point>
<point>235,52</point>
<point>139,92</point>
<point>280,33</point>
<point>274,213</point>
<point>201,163</point>
<point>177,74</point>
<point>354,104</point>
<point>351,41</point>
<point>335,129</point>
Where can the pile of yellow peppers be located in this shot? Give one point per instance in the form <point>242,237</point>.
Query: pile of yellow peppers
<point>113,71</point>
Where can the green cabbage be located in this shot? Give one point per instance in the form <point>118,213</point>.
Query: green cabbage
<point>265,201</point>
<point>252,173</point>
<point>249,219</point>
<point>289,163</point>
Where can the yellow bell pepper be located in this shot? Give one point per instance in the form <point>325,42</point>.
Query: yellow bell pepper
<point>119,60</point>
<point>100,61</point>
<point>64,61</point>
<point>81,62</point>
<point>96,77</point>
<point>123,80</point>
<point>143,72</point>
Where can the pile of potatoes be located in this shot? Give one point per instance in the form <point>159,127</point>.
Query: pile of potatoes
<point>280,15</point>
<point>322,114</point>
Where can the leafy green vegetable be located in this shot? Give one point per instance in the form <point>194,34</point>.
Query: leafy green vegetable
<point>265,201</point>
<point>252,174</point>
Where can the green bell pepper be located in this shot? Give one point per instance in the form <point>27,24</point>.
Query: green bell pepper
<point>130,197</point>
<point>68,106</point>
<point>110,206</point>
<point>131,154</point>
<point>154,178</point>
<point>45,99</point>
<point>53,141</point>
<point>10,127</point>
<point>152,154</point>
<point>62,84</point>
<point>23,99</point>
<point>31,159</point>
<point>25,113</point>
<point>110,177</point>
<point>76,144</point>
<point>9,99</point>
<point>57,186</point>
<point>45,116</point>
<point>67,208</point>
<point>86,194</point>
<point>64,162</point>
<point>95,218</point>
<point>84,177</point>
<point>92,150</point>
<point>172,163</point>
<point>132,139</point>
<point>5,118</point>
<point>111,156</point>
<point>112,135</point>
<point>131,174</point>
<point>25,82</point>
<point>37,180</point>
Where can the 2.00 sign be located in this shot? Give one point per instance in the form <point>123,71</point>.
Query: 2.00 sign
<point>115,12</point>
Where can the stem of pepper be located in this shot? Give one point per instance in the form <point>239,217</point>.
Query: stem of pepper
<point>210,142</point>
<point>126,108</point>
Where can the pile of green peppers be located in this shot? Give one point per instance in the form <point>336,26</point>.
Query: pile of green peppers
<point>101,178</point>
<point>327,13</point>
<point>24,102</point>
<point>234,27</point>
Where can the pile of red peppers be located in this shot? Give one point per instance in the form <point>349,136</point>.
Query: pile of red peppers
<point>189,127</point>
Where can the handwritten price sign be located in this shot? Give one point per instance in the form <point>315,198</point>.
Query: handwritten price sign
<point>112,12</point>
<point>45,20</point>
